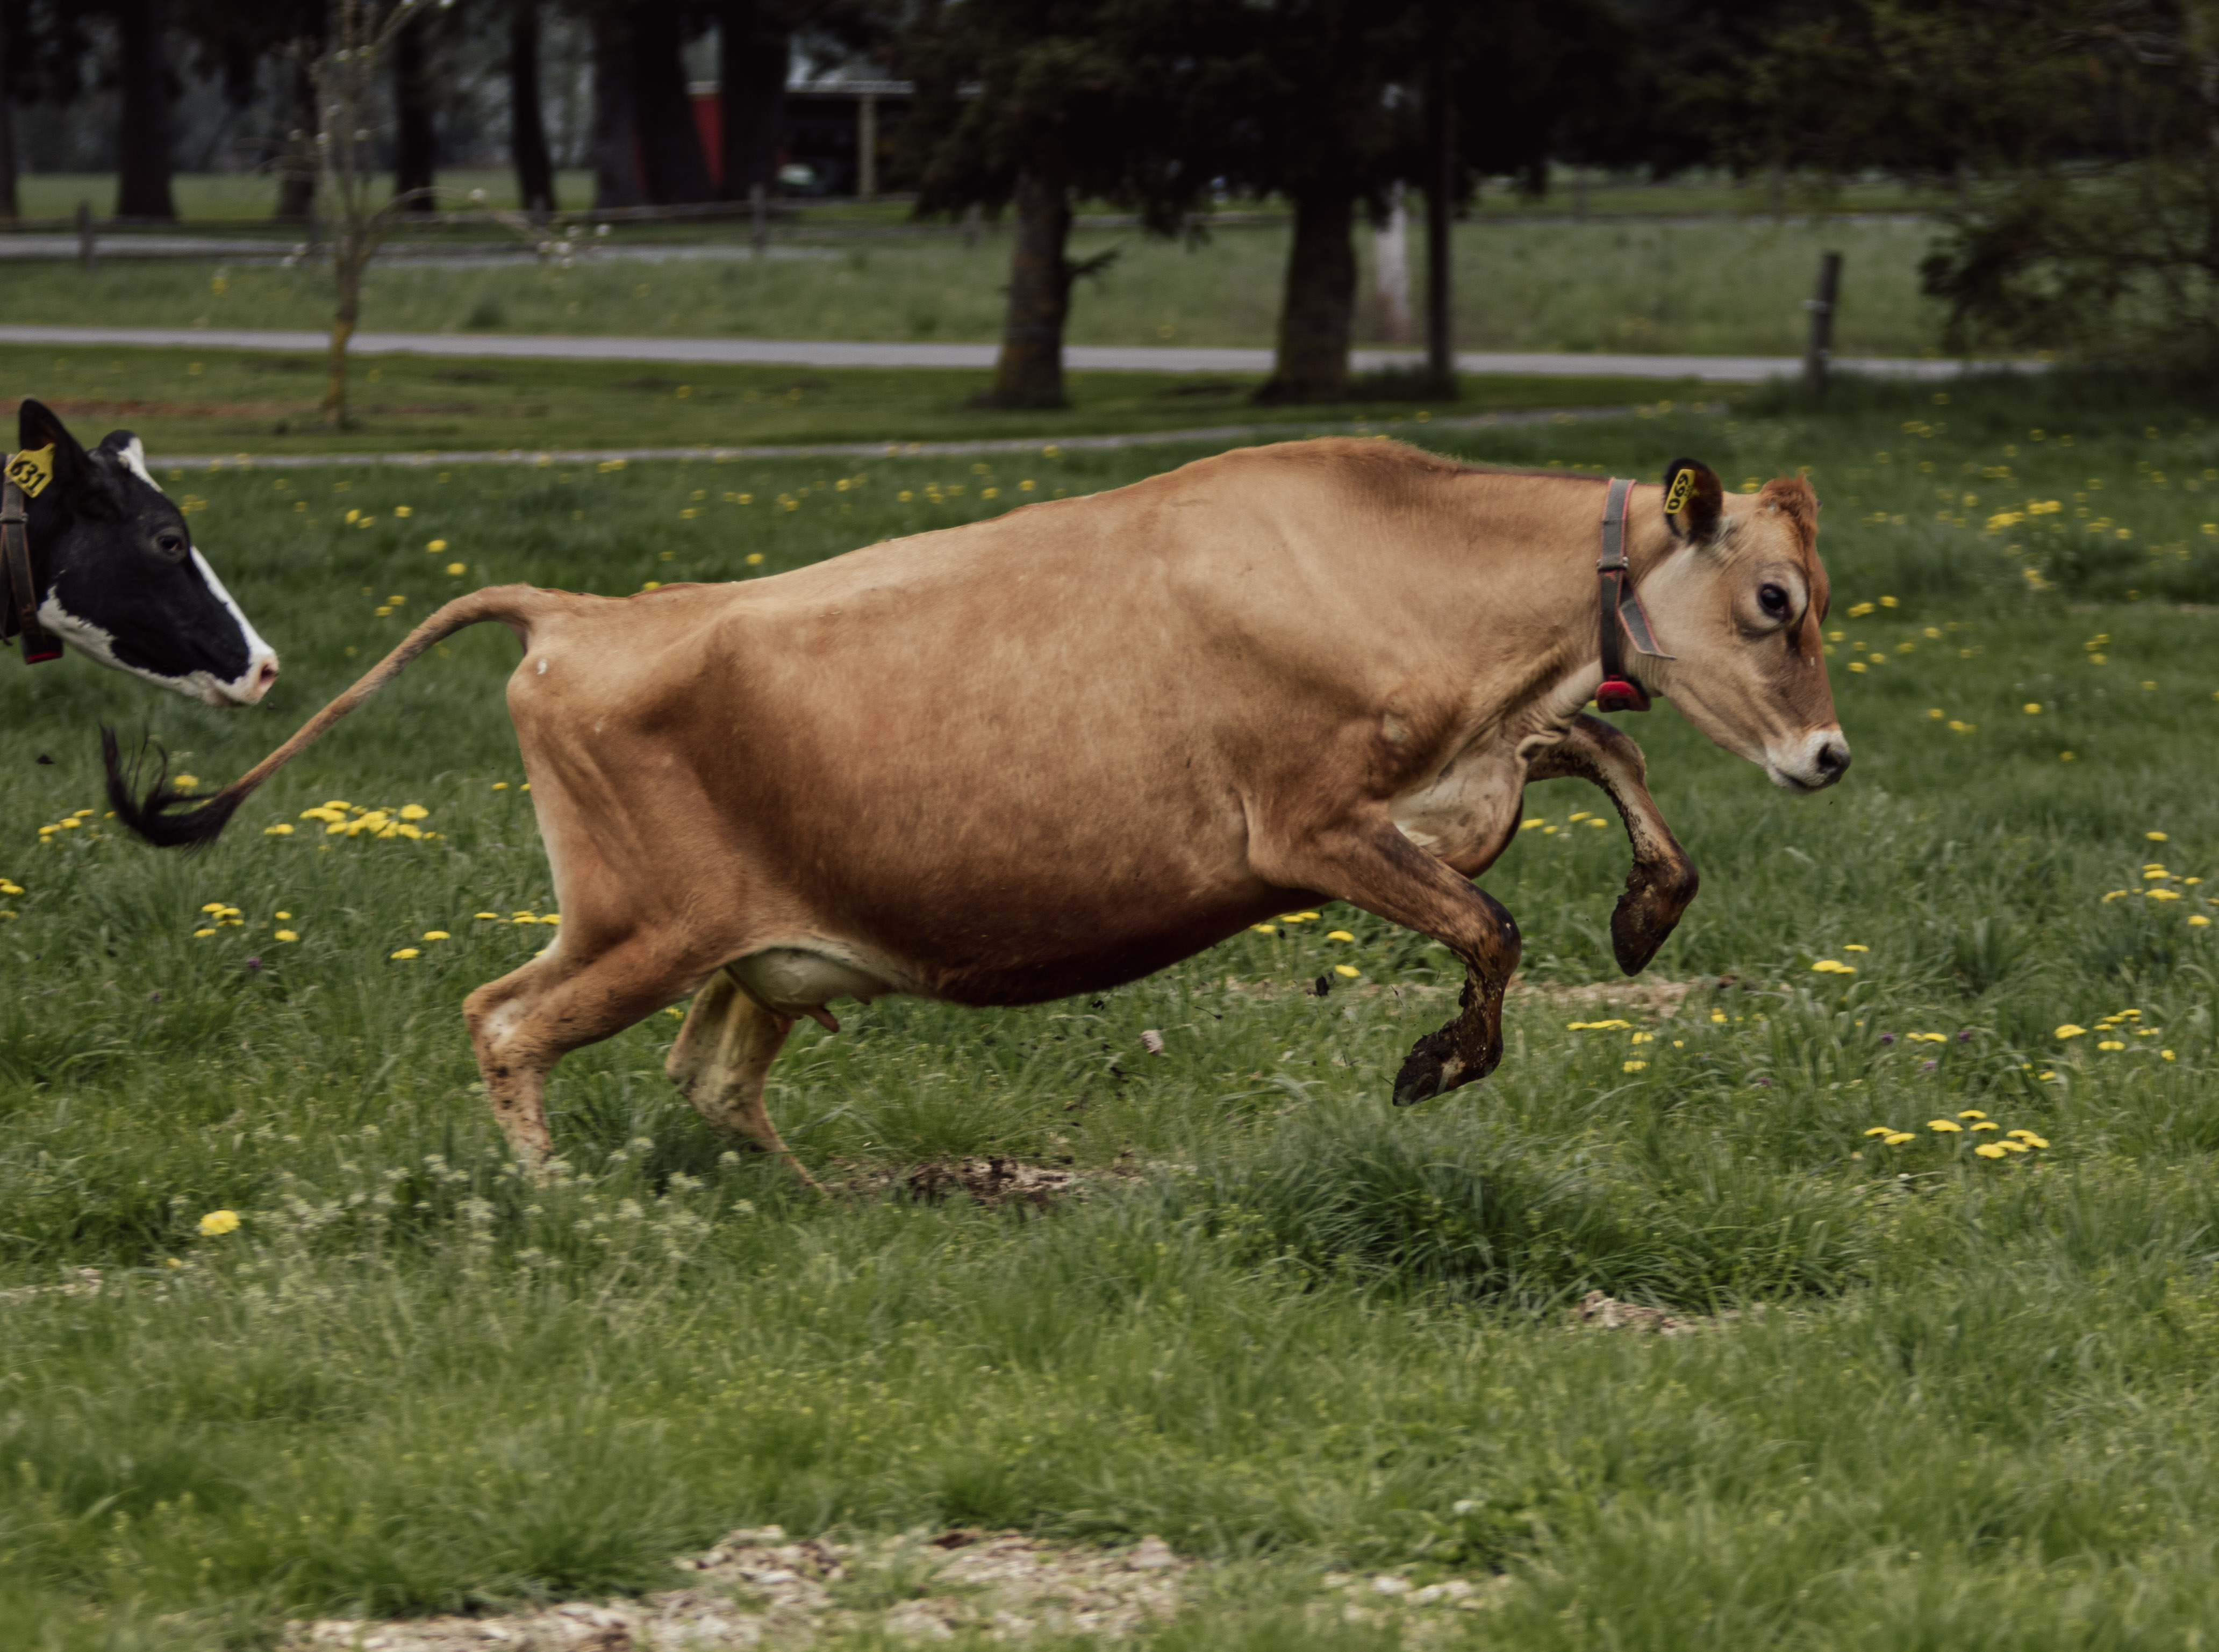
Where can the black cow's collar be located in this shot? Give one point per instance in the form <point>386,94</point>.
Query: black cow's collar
<point>23,612</point>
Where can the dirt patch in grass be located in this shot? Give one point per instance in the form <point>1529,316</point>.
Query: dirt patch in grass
<point>756,1589</point>
<point>1649,996</point>
<point>992,1181</point>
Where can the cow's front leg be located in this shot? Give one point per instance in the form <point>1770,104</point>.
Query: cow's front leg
<point>1372,865</point>
<point>1662,881</point>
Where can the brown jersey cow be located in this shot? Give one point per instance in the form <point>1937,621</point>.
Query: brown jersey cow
<point>1057,750</point>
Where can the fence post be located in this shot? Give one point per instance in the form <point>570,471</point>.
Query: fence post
<point>867,146</point>
<point>759,205</point>
<point>971,216</point>
<point>1821,352</point>
<point>88,252</point>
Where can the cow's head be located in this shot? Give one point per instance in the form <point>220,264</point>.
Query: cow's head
<point>118,576</point>
<point>1738,600</point>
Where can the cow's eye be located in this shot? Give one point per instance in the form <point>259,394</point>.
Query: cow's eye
<point>1773,601</point>
<point>170,543</point>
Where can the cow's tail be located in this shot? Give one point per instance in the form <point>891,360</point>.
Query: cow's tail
<point>167,820</point>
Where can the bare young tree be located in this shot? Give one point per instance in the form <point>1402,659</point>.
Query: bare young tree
<point>346,76</point>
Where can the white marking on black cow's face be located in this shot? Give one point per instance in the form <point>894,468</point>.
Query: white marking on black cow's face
<point>133,454</point>
<point>123,582</point>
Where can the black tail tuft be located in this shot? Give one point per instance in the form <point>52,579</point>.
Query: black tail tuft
<point>156,813</point>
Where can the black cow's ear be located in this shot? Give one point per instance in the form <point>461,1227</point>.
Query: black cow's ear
<point>37,425</point>
<point>1694,499</point>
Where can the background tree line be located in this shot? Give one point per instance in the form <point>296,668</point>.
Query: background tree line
<point>2079,139</point>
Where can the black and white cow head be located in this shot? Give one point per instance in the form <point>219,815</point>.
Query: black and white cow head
<point>118,576</point>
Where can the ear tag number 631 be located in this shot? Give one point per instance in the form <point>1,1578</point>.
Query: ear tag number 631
<point>32,469</point>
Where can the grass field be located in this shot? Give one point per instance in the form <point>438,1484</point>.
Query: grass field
<point>1726,286</point>
<point>1302,1332</point>
<point>247,198</point>
<point>212,402</point>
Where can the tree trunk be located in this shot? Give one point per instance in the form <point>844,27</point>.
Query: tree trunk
<point>669,142</point>
<point>416,142</point>
<point>142,186</point>
<point>1030,371</point>
<point>8,207</point>
<point>616,154</point>
<point>1318,309</point>
<point>527,129</point>
<point>751,63</point>
<point>347,311</point>
<point>296,176</point>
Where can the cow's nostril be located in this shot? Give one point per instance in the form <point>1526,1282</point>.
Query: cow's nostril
<point>1833,758</point>
<point>267,675</point>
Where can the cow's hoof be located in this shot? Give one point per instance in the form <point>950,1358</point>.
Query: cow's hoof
<point>1431,1067</point>
<point>1637,930</point>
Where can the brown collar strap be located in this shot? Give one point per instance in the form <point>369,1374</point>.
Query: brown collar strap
<point>23,612</point>
<point>1622,617</point>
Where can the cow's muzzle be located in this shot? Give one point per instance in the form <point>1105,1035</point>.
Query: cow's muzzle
<point>1810,764</point>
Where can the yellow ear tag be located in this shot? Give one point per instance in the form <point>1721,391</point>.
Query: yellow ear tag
<point>32,469</point>
<point>1683,485</point>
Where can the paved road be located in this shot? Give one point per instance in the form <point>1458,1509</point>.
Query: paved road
<point>1220,433</point>
<point>790,352</point>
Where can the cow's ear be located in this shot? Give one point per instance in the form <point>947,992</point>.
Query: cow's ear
<point>37,426</point>
<point>1694,499</point>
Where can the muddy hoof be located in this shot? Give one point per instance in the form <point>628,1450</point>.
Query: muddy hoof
<point>1426,1072</point>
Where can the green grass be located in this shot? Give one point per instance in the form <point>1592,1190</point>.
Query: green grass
<point>246,198</point>
<point>212,402</point>
<point>1315,1332</point>
<point>1725,287</point>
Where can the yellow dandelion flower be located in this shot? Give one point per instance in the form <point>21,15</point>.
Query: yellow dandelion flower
<point>2032,708</point>
<point>1339,934</point>
<point>285,934</point>
<point>2197,921</point>
<point>437,544</point>
<point>2165,1055</point>
<point>1899,1139</point>
<point>1349,970</point>
<point>1632,1066</point>
<point>1718,1016</point>
<point>217,1223</point>
<point>2109,1044</point>
<point>1971,1112</point>
<point>413,811</point>
<point>185,782</point>
<point>495,917</point>
<point>282,829</point>
<point>1945,1127</point>
<point>1833,966</point>
<point>437,934</point>
<point>197,934</point>
<point>1264,928</point>
<point>2157,837</point>
<point>409,951</point>
<point>1881,1130</point>
<point>1989,1149</point>
<point>2069,1030</point>
<point>1854,946</point>
<point>2014,1147</point>
<point>1985,1124</point>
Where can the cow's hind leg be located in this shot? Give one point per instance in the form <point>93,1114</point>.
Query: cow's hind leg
<point>1662,880</point>
<point>723,1054</point>
<point>524,1023</point>
<point>1374,867</point>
